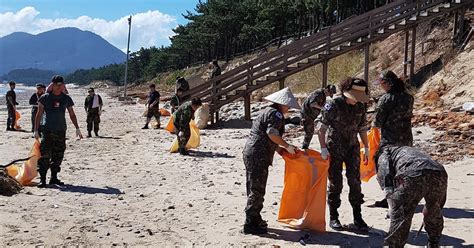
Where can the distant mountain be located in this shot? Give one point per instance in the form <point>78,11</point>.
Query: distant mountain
<point>62,50</point>
<point>29,76</point>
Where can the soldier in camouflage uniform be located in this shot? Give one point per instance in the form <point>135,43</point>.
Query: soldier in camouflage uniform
<point>393,116</point>
<point>311,109</point>
<point>343,118</point>
<point>53,142</point>
<point>182,117</point>
<point>407,175</point>
<point>265,138</point>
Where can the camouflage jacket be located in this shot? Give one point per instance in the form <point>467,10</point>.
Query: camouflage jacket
<point>183,115</point>
<point>393,117</point>
<point>319,97</point>
<point>343,121</point>
<point>270,121</point>
<point>403,161</point>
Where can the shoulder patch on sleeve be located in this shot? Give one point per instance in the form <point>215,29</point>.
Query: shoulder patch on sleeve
<point>327,106</point>
<point>279,115</point>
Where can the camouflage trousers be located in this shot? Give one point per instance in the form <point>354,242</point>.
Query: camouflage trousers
<point>93,120</point>
<point>34,110</point>
<point>183,140</point>
<point>308,126</point>
<point>53,145</point>
<point>351,158</point>
<point>431,185</point>
<point>257,175</point>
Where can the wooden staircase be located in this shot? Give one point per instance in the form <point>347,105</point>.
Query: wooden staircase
<point>354,33</point>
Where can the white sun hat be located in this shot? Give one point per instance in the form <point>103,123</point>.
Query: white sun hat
<point>284,97</point>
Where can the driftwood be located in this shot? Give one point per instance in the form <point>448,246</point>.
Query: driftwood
<point>8,185</point>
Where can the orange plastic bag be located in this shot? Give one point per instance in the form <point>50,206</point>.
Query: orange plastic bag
<point>25,173</point>
<point>368,171</point>
<point>164,112</point>
<point>303,202</point>
<point>170,126</point>
<point>193,142</point>
<point>17,118</point>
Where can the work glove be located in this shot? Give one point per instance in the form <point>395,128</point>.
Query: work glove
<point>324,153</point>
<point>36,134</point>
<point>366,155</point>
<point>78,134</point>
<point>291,149</point>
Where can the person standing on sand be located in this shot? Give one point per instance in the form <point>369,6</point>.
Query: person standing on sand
<point>311,109</point>
<point>265,138</point>
<point>153,106</point>
<point>343,118</point>
<point>182,117</point>
<point>53,141</point>
<point>93,106</point>
<point>393,115</point>
<point>40,89</point>
<point>406,175</point>
<point>11,106</point>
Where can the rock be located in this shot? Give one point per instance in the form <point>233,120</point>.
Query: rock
<point>171,207</point>
<point>149,232</point>
<point>275,203</point>
<point>453,132</point>
<point>190,205</point>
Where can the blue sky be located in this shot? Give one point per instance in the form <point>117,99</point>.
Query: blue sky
<point>152,24</point>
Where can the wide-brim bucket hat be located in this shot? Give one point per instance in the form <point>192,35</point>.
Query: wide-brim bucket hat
<point>358,91</point>
<point>284,97</point>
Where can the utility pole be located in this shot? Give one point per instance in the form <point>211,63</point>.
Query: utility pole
<point>128,51</point>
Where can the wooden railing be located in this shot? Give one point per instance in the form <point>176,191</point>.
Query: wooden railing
<point>349,35</point>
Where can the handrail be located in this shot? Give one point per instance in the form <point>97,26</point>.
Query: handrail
<point>364,26</point>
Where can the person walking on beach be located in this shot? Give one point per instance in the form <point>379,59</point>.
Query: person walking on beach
<point>406,175</point>
<point>153,106</point>
<point>93,106</point>
<point>40,90</point>
<point>11,106</point>
<point>393,115</point>
<point>175,101</point>
<point>311,109</point>
<point>182,117</point>
<point>343,118</point>
<point>266,137</point>
<point>53,141</point>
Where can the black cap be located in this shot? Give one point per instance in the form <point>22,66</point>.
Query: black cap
<point>11,83</point>
<point>41,86</point>
<point>388,76</point>
<point>90,89</point>
<point>57,79</point>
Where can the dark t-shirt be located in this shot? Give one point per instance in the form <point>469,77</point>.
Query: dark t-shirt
<point>55,110</point>
<point>152,97</point>
<point>11,94</point>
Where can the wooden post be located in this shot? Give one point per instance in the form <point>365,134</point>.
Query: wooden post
<point>455,27</point>
<point>412,60</point>
<point>325,73</point>
<point>281,83</point>
<point>247,107</point>
<point>366,62</point>
<point>247,96</point>
<point>405,60</point>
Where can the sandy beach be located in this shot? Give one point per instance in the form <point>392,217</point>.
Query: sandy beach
<point>126,189</point>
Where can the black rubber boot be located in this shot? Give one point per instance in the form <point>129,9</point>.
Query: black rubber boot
<point>335,224</point>
<point>254,227</point>
<point>358,221</point>
<point>183,151</point>
<point>145,127</point>
<point>89,134</point>
<point>262,223</point>
<point>42,183</point>
<point>54,179</point>
<point>96,134</point>
<point>432,245</point>
<point>381,204</point>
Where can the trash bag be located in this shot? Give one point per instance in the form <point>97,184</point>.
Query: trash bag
<point>368,171</point>
<point>164,112</point>
<point>193,142</point>
<point>202,116</point>
<point>25,173</point>
<point>303,201</point>
<point>17,118</point>
<point>170,126</point>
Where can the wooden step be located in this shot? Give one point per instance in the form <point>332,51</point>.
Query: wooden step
<point>403,22</point>
<point>413,18</point>
<point>447,5</point>
<point>424,13</point>
<point>392,27</point>
<point>435,10</point>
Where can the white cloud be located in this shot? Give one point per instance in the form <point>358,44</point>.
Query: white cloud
<point>151,28</point>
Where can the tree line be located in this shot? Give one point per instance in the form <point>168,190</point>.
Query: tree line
<point>222,29</point>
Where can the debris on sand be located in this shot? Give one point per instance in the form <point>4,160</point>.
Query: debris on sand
<point>8,185</point>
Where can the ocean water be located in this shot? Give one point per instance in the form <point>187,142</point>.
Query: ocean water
<point>19,89</point>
